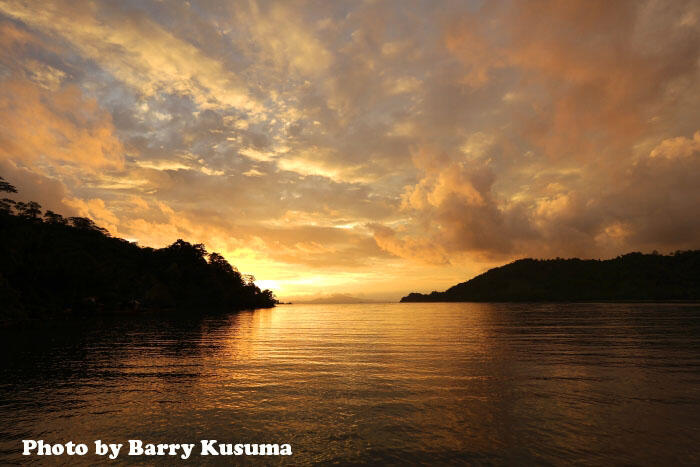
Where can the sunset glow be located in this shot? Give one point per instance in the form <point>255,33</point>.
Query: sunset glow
<point>364,148</point>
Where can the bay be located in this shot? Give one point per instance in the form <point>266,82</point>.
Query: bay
<point>412,383</point>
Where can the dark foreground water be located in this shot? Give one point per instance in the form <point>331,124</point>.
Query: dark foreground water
<point>595,384</point>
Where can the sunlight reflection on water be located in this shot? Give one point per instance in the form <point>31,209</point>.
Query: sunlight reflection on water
<point>387,383</point>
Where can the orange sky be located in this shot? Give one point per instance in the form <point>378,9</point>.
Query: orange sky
<point>368,148</point>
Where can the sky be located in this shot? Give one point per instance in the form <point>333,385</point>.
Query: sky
<point>370,148</point>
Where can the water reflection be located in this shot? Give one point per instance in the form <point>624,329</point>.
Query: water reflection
<point>396,383</point>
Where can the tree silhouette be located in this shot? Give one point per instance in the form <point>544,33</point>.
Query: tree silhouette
<point>6,187</point>
<point>21,208</point>
<point>54,264</point>
<point>53,218</point>
<point>7,205</point>
<point>220,263</point>
<point>33,210</point>
<point>84,223</point>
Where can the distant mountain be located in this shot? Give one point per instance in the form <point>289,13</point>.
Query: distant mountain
<point>634,276</point>
<point>334,298</point>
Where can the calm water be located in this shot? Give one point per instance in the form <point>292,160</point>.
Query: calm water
<point>395,383</point>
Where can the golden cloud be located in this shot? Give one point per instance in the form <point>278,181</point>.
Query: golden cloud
<point>60,126</point>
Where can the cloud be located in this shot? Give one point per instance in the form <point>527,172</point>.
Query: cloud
<point>137,51</point>
<point>408,247</point>
<point>49,192</point>
<point>581,157</point>
<point>55,126</point>
<point>658,196</point>
<point>338,143</point>
<point>280,34</point>
<point>605,67</point>
<point>648,206</point>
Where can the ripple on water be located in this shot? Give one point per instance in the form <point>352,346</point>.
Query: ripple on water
<point>389,384</point>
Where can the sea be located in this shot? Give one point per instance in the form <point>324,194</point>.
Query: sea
<point>363,384</point>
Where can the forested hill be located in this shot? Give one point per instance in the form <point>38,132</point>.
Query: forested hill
<point>631,277</point>
<point>50,264</point>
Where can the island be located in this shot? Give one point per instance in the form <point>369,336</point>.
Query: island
<point>51,265</point>
<point>631,277</point>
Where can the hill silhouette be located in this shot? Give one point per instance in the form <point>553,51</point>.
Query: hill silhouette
<point>332,299</point>
<point>50,264</point>
<point>631,277</point>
